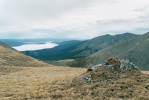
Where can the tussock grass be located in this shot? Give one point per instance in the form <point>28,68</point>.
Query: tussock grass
<point>36,83</point>
<point>9,69</point>
<point>54,83</point>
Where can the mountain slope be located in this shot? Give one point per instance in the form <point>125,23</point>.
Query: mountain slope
<point>99,43</point>
<point>11,57</point>
<point>57,53</point>
<point>77,49</point>
<point>135,49</point>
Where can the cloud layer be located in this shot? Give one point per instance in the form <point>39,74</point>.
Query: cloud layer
<point>32,47</point>
<point>72,18</point>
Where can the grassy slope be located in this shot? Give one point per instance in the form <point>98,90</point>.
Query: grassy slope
<point>11,57</point>
<point>51,83</point>
<point>66,62</point>
<point>36,83</point>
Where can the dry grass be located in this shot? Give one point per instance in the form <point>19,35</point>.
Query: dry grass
<point>9,69</point>
<point>50,83</point>
<point>132,85</point>
<point>36,83</point>
<point>66,62</point>
<point>11,57</point>
<point>145,72</point>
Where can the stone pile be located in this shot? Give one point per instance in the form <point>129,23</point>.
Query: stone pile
<point>107,72</point>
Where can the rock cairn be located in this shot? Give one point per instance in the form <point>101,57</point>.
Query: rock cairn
<point>109,71</point>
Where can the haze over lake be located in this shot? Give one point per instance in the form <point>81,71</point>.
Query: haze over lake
<point>33,46</point>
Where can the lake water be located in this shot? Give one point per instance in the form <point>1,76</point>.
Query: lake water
<point>32,47</point>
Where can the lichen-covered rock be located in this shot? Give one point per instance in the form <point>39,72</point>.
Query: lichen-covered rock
<point>127,66</point>
<point>115,64</point>
<point>113,61</point>
<point>93,68</point>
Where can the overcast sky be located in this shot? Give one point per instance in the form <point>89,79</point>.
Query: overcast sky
<point>80,19</point>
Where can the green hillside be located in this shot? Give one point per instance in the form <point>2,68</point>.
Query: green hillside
<point>99,43</point>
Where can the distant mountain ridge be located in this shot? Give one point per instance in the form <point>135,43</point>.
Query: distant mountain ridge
<point>12,42</point>
<point>99,43</point>
<point>78,49</point>
<point>129,46</point>
<point>135,49</point>
<point>19,42</point>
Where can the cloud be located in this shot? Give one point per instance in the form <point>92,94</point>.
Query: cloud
<point>72,18</point>
<point>32,47</point>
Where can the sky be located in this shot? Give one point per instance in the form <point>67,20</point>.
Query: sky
<point>74,19</point>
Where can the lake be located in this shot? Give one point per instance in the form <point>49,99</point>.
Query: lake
<point>33,46</point>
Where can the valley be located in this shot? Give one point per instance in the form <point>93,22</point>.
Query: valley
<point>94,51</point>
<point>26,78</point>
<point>74,50</point>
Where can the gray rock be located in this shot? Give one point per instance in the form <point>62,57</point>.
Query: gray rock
<point>127,66</point>
<point>93,68</point>
<point>107,72</point>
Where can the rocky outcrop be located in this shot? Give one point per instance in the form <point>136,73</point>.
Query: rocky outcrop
<point>111,70</point>
<point>115,64</point>
<point>114,79</point>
